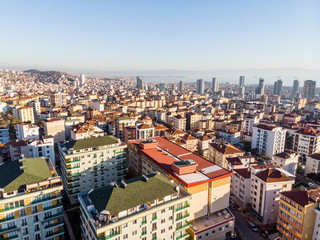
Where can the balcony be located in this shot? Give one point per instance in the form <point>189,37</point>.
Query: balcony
<point>73,167</point>
<point>12,237</point>
<point>110,236</point>
<point>143,233</point>
<point>183,207</point>
<point>44,199</point>
<point>144,222</point>
<point>183,236</point>
<point>183,226</point>
<point>51,207</point>
<point>185,216</point>
<point>8,229</point>
<point>154,218</point>
<point>54,225</point>
<point>73,174</point>
<point>74,180</point>
<point>54,233</point>
<point>10,208</point>
<point>72,161</point>
<point>7,219</point>
<point>53,216</point>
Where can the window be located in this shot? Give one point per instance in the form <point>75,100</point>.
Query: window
<point>207,234</point>
<point>214,231</point>
<point>220,229</point>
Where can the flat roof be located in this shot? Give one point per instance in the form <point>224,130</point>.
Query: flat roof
<point>91,142</point>
<point>167,152</point>
<point>16,174</point>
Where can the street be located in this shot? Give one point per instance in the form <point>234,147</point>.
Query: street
<point>242,227</point>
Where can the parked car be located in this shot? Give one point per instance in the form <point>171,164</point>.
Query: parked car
<point>253,226</point>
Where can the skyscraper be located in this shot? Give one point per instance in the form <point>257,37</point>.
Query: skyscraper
<point>260,88</point>
<point>181,86</point>
<point>241,88</point>
<point>309,89</point>
<point>82,79</point>
<point>200,86</point>
<point>241,81</point>
<point>215,85</point>
<point>277,87</point>
<point>295,89</point>
<point>139,83</point>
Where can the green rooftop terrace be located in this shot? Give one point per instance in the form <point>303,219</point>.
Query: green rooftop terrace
<point>15,175</point>
<point>137,192</point>
<point>91,142</point>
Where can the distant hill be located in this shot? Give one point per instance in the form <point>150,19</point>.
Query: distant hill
<point>31,71</point>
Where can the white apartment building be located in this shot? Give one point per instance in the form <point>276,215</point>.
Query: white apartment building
<point>144,131</point>
<point>268,140</point>
<point>23,113</point>
<point>313,163</point>
<point>179,122</point>
<point>287,160</point>
<point>249,123</point>
<point>240,186</point>
<point>27,131</point>
<point>306,141</point>
<point>150,207</point>
<point>85,131</point>
<point>42,148</point>
<point>266,184</point>
<point>36,105</point>
<point>91,163</point>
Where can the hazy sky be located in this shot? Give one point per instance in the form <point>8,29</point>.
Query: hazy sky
<point>115,35</point>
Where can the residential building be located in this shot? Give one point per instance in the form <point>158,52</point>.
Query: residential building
<point>291,119</point>
<point>86,130</point>
<point>260,88</point>
<point>144,131</point>
<point>181,86</point>
<point>139,83</point>
<point>23,113</point>
<point>231,136</point>
<point>91,163</point>
<point>295,89</point>
<point>240,187</point>
<point>215,85</point>
<point>42,148</point>
<point>218,153</point>
<point>249,123</point>
<point>245,161</point>
<point>82,79</point>
<point>277,87</point>
<point>208,183</point>
<point>309,89</point>
<point>266,184</point>
<point>58,99</point>
<point>287,160</point>
<point>120,125</point>
<point>27,131</point>
<point>145,207</point>
<point>268,140</point>
<point>306,141</point>
<point>30,200</point>
<point>313,163</point>
<point>4,134</point>
<point>297,216</point>
<point>192,120</point>
<point>130,133</point>
<point>179,122</point>
<point>316,228</point>
<point>55,127</point>
<point>200,86</point>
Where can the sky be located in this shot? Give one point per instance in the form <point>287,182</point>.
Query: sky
<point>110,36</point>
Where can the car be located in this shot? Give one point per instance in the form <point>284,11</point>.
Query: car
<point>253,226</point>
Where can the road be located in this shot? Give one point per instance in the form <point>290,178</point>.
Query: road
<point>242,227</point>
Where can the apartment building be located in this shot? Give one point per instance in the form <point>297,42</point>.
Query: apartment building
<point>313,163</point>
<point>145,207</point>
<point>121,124</point>
<point>287,160</point>
<point>268,140</point>
<point>144,131</point>
<point>249,123</point>
<point>58,99</point>
<point>266,184</point>
<point>4,134</point>
<point>245,161</point>
<point>27,131</point>
<point>130,133</point>
<point>306,141</point>
<point>179,122</point>
<point>30,200</point>
<point>91,163</point>
<point>85,130</point>
<point>231,136</point>
<point>316,228</point>
<point>23,113</point>
<point>55,127</point>
<point>240,186</point>
<point>192,120</point>
<point>218,153</point>
<point>209,184</point>
<point>297,216</point>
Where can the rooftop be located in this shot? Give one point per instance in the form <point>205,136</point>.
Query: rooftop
<point>16,174</point>
<point>273,175</point>
<point>91,142</point>
<point>136,192</point>
<point>302,197</point>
